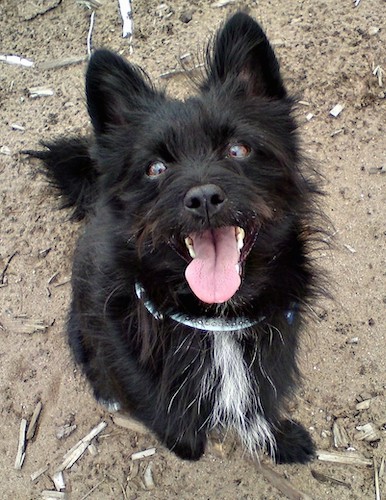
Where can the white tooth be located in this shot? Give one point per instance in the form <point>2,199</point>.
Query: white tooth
<point>189,246</point>
<point>238,268</point>
<point>240,235</point>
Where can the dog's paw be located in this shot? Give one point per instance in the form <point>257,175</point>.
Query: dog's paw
<point>110,405</point>
<point>188,449</point>
<point>293,443</point>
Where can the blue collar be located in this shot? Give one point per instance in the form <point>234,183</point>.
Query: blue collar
<point>204,323</point>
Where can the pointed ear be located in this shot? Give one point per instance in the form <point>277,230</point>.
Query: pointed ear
<point>113,89</point>
<point>242,53</point>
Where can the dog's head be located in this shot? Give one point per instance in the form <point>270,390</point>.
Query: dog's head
<point>210,186</point>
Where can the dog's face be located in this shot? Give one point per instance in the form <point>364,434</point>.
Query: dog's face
<point>206,188</point>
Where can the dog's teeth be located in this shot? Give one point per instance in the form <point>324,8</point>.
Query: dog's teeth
<point>238,268</point>
<point>240,235</point>
<point>189,246</point>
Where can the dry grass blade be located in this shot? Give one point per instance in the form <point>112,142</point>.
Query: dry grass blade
<point>282,484</point>
<point>20,455</point>
<point>382,467</point>
<point>343,457</point>
<point>376,481</point>
<point>92,489</point>
<point>89,34</point>
<point>60,63</point>
<point>25,326</point>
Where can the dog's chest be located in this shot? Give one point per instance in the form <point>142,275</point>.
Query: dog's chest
<point>234,391</point>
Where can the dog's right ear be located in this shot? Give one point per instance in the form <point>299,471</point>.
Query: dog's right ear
<point>113,89</point>
<point>242,54</point>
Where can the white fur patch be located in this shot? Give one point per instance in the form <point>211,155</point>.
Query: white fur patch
<point>235,396</point>
<point>110,405</point>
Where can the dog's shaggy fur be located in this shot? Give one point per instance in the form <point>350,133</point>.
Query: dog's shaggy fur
<point>191,277</point>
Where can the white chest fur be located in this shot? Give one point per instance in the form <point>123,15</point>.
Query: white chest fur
<point>230,384</point>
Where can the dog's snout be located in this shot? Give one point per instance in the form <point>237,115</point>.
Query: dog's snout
<point>205,200</point>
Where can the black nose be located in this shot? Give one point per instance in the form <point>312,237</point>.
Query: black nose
<point>205,200</point>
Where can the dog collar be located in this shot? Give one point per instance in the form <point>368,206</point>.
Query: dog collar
<point>203,323</point>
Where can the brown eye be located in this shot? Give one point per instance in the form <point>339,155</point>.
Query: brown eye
<point>156,168</point>
<point>238,151</point>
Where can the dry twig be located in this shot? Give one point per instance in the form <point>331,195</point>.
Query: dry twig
<point>53,495</point>
<point>376,481</point>
<point>34,421</point>
<point>35,92</point>
<point>328,479</point>
<point>42,11</point>
<point>143,454</point>
<point>343,457</point>
<point>60,63</point>
<point>127,18</point>
<point>93,489</point>
<point>20,455</point>
<point>16,60</point>
<point>38,473</point>
<point>89,34</point>
<point>81,446</point>
<point>5,269</point>
<point>282,484</point>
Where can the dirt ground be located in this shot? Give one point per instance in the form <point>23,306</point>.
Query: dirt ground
<point>328,52</point>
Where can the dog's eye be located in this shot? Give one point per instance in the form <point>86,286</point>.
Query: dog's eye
<point>156,168</point>
<point>238,151</point>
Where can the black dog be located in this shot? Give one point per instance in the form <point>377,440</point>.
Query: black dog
<point>192,273</point>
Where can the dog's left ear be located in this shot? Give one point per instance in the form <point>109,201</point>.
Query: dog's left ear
<point>242,53</point>
<point>114,90</point>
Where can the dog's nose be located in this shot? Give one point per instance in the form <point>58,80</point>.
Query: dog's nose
<point>205,200</point>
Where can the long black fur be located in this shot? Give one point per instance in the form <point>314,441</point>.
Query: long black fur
<point>136,225</point>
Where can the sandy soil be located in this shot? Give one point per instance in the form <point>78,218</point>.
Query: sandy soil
<point>328,51</point>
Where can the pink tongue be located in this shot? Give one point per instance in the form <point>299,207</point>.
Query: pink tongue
<point>212,274</point>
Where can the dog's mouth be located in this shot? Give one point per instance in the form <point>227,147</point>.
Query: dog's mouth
<point>215,261</point>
